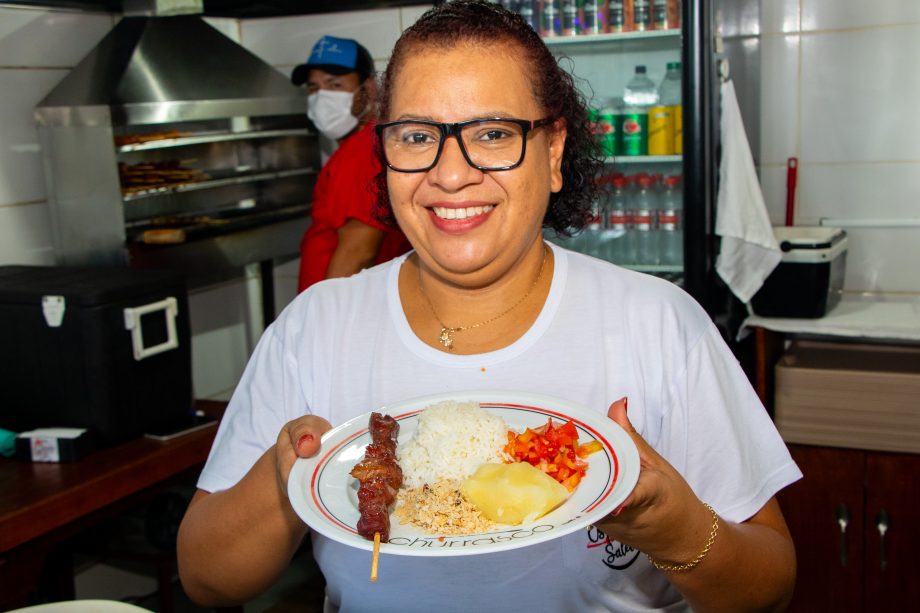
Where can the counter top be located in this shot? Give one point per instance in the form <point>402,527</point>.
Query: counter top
<point>37,498</point>
<point>857,316</point>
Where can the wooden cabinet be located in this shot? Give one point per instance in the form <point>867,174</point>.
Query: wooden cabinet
<point>855,519</point>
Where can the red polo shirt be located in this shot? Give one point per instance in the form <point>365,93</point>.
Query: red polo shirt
<point>345,190</point>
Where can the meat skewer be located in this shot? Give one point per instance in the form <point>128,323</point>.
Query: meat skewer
<point>380,477</point>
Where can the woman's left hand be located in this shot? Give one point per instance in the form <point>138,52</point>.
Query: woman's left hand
<point>662,516</point>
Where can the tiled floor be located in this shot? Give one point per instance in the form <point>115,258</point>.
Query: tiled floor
<point>119,561</point>
<point>299,589</point>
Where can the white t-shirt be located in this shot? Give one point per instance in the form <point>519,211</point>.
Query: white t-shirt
<point>344,348</point>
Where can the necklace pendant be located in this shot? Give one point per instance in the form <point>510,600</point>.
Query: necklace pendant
<point>447,338</point>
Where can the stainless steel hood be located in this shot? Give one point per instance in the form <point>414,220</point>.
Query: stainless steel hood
<point>168,128</point>
<point>151,70</point>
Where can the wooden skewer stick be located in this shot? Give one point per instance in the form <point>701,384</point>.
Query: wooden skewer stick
<point>375,557</point>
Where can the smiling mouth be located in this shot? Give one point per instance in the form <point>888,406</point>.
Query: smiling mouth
<point>449,213</point>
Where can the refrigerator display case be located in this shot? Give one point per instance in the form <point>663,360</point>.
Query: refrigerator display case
<point>602,64</point>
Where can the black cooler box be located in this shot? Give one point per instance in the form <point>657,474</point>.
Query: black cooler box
<point>106,349</point>
<point>808,282</point>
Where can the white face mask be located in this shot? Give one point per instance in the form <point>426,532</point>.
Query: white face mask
<point>330,112</point>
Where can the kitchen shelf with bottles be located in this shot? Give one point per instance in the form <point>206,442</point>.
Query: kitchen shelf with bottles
<point>602,64</point>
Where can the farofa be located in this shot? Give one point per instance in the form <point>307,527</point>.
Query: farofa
<point>440,509</point>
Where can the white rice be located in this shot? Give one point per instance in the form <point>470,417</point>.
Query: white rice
<point>451,440</point>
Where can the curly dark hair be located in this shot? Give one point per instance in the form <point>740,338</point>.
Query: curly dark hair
<point>474,21</point>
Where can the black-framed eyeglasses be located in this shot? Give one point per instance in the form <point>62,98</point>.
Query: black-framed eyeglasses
<point>415,145</point>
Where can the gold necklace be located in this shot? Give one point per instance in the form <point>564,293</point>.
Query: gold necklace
<point>446,337</point>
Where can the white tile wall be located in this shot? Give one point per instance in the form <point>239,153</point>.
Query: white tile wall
<point>839,91</point>
<point>410,14</point>
<point>228,27</point>
<point>222,336</point>
<point>22,177</point>
<point>285,42</point>
<point>779,16</point>
<point>861,190</point>
<point>773,186</point>
<point>837,14</point>
<point>25,234</point>
<point>31,37</point>
<point>286,283</point>
<point>859,95</point>
<point>779,103</point>
<point>883,260</point>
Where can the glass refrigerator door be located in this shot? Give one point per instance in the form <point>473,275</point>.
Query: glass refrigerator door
<point>637,222</point>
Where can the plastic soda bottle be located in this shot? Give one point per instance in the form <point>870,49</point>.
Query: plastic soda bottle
<point>618,221</point>
<point>644,214</point>
<point>640,90</point>
<point>640,94</point>
<point>591,237</point>
<point>671,223</point>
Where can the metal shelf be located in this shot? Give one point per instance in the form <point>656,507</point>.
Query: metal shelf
<point>626,42</point>
<point>654,268</point>
<point>216,137</point>
<point>643,159</point>
<point>235,179</point>
<point>619,37</point>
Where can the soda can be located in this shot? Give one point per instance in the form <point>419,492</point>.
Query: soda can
<point>616,16</point>
<point>607,129</point>
<point>590,20</point>
<point>569,18</point>
<point>678,113</point>
<point>633,133</point>
<point>594,117</point>
<point>525,10</point>
<point>660,14</point>
<point>642,15</point>
<point>661,130</point>
<point>550,24</point>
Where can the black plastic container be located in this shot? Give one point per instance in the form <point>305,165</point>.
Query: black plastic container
<point>808,282</point>
<point>107,349</point>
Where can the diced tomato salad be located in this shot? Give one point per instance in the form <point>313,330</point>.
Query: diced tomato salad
<point>554,449</point>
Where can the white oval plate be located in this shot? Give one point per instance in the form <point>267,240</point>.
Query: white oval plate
<point>324,494</point>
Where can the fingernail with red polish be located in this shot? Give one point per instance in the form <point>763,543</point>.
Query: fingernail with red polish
<point>618,510</point>
<point>306,438</point>
<point>626,404</point>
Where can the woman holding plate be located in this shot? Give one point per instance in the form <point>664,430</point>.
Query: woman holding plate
<point>486,142</point>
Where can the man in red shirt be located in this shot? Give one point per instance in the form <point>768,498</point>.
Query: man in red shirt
<point>344,236</point>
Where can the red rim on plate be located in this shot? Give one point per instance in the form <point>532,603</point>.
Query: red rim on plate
<point>323,494</point>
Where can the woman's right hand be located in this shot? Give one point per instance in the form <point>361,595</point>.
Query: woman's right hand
<point>299,438</point>
<point>662,516</point>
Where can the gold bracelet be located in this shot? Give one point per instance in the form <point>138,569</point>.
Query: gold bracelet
<point>677,568</point>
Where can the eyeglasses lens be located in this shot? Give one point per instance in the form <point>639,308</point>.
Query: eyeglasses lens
<point>489,145</point>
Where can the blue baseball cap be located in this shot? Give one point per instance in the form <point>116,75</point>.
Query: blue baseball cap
<point>336,56</point>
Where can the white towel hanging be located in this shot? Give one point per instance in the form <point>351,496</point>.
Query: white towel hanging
<point>749,250</point>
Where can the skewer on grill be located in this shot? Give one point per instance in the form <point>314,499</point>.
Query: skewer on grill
<point>380,477</point>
